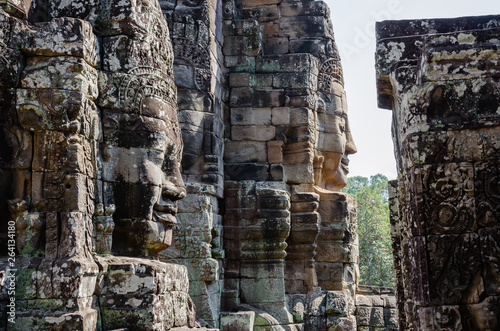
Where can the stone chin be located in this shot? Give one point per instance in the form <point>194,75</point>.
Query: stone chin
<point>144,237</point>
<point>336,180</point>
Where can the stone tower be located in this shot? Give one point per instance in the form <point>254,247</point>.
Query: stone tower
<point>158,156</point>
<point>440,79</point>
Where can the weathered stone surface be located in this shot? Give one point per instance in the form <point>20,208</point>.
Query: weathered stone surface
<point>443,206</point>
<point>66,73</point>
<point>243,321</point>
<point>92,165</point>
<point>63,205</point>
<point>63,36</point>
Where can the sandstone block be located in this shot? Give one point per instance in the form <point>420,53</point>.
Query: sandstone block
<point>275,46</point>
<point>64,36</point>
<point>240,321</point>
<point>332,272</point>
<point>270,30</point>
<point>241,97</point>
<point>242,45</point>
<point>261,80</point>
<point>73,278</point>
<point>377,317</point>
<point>363,315</point>
<point>241,28</point>
<point>116,166</point>
<point>63,192</point>
<point>240,63</point>
<point>267,98</point>
<point>287,63</point>
<point>123,53</point>
<point>299,173</point>
<point>53,109</point>
<point>65,73</point>
<point>79,320</point>
<point>391,317</point>
<point>255,3</point>
<point>85,10</point>
<point>204,269</point>
<point>9,74</point>
<point>306,8</point>
<point>275,151</point>
<point>241,79</point>
<point>71,157</point>
<point>261,13</point>
<point>246,151</point>
<point>337,303</point>
<point>130,17</point>
<point>17,8</point>
<point>262,290</point>
<point>301,116</point>
<point>255,133</point>
<point>251,116</point>
<point>341,323</point>
<point>276,172</point>
<point>294,80</point>
<point>281,116</point>
<point>194,100</point>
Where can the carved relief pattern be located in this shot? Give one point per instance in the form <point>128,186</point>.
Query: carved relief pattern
<point>329,72</point>
<point>191,47</point>
<point>468,102</point>
<point>449,204</point>
<point>30,228</point>
<point>487,176</point>
<point>146,82</point>
<point>454,261</point>
<point>490,253</point>
<point>62,182</point>
<point>103,227</point>
<point>447,318</point>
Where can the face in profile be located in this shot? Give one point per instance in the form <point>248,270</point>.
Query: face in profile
<point>334,142</point>
<point>145,167</point>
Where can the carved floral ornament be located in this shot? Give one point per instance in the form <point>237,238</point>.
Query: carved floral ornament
<point>329,72</point>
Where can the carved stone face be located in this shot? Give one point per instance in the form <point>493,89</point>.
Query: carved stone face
<point>334,142</point>
<point>144,168</point>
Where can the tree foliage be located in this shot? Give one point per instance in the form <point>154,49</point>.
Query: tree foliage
<point>375,250</point>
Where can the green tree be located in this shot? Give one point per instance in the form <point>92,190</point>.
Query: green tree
<point>375,249</point>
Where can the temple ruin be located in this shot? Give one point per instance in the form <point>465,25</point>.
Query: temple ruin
<point>440,79</point>
<point>177,165</point>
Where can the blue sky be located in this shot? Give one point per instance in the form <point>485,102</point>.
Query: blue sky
<point>354,26</point>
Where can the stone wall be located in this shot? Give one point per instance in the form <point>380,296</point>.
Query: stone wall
<point>261,81</point>
<point>89,167</point>
<point>440,78</point>
<point>99,101</point>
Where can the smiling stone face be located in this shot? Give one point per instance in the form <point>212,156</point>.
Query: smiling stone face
<point>334,142</point>
<point>142,137</point>
<point>142,172</point>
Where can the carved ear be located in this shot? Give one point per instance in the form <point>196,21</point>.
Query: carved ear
<point>320,106</point>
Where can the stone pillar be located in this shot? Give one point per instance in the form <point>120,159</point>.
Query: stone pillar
<point>440,78</point>
<point>96,81</point>
<point>197,245</point>
<point>337,256</point>
<point>54,217</point>
<point>256,226</point>
<point>196,36</point>
<point>301,251</point>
